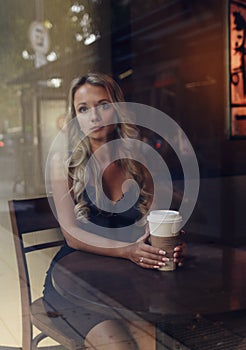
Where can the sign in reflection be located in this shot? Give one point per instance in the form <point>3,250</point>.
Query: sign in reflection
<point>238,67</point>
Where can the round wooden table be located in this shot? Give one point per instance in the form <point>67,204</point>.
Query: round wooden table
<point>212,280</point>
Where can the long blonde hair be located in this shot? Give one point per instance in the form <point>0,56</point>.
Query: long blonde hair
<point>81,151</point>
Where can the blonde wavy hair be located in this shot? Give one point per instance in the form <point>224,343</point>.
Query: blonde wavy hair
<point>81,151</point>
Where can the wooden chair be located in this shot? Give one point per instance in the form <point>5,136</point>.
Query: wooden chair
<point>34,216</point>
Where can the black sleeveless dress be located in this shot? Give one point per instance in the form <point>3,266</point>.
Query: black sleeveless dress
<point>79,318</point>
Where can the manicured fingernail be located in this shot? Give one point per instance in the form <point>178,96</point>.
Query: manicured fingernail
<point>161,264</point>
<point>156,267</point>
<point>165,259</point>
<point>162,252</point>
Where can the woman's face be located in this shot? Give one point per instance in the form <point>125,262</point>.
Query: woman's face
<point>94,111</point>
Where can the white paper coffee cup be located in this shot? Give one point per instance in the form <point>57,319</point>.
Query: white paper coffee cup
<point>165,227</point>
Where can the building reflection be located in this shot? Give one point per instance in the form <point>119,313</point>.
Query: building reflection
<point>172,55</point>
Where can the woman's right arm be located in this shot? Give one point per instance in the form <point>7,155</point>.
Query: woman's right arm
<point>75,236</point>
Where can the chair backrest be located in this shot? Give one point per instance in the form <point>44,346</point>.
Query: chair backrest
<point>30,216</point>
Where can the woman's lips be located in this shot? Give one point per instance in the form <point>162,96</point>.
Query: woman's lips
<point>96,128</point>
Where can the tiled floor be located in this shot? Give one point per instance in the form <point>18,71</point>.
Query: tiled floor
<point>10,309</point>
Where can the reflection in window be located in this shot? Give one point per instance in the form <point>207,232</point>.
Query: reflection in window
<point>238,67</point>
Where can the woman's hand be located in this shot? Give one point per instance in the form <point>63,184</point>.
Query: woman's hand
<point>146,256</point>
<point>178,256</point>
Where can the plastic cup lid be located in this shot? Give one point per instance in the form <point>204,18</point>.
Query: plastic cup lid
<point>167,216</point>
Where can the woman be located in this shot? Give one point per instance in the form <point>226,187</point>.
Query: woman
<point>83,207</point>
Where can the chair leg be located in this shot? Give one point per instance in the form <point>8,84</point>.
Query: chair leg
<point>26,333</point>
<point>38,339</point>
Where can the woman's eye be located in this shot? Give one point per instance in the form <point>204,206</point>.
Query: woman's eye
<point>105,106</point>
<point>83,109</point>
